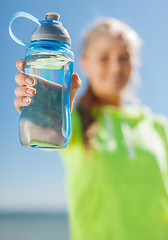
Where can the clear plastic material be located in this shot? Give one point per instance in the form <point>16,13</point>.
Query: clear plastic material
<point>46,122</point>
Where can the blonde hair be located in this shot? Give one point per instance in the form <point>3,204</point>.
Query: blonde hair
<point>115,28</point>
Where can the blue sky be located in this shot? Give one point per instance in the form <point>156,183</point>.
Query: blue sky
<point>34,179</point>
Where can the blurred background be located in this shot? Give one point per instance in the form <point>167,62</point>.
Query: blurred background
<point>33,201</point>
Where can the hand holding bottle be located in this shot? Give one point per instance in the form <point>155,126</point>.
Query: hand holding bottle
<point>46,77</point>
<point>24,91</point>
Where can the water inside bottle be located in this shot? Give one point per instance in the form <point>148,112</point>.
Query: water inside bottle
<point>46,122</point>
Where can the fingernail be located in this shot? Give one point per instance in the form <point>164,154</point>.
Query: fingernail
<point>79,81</point>
<point>21,64</point>
<point>29,81</point>
<point>26,99</point>
<point>30,91</point>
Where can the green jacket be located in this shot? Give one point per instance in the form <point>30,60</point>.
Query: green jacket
<point>119,189</point>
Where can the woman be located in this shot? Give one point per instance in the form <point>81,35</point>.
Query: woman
<point>116,161</point>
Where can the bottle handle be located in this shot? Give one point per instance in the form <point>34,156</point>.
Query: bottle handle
<point>17,15</point>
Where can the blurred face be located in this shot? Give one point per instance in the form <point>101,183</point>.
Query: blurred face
<point>107,65</point>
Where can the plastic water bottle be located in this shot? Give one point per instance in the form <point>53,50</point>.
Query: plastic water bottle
<point>46,122</point>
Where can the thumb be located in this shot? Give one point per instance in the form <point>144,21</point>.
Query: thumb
<point>75,85</point>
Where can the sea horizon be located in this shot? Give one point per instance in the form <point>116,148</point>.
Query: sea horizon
<point>34,224</point>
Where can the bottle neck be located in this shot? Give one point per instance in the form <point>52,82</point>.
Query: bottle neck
<point>50,43</point>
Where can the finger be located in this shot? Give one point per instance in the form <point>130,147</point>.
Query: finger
<point>23,79</point>
<point>75,85</point>
<point>20,64</point>
<point>19,102</point>
<point>22,91</point>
